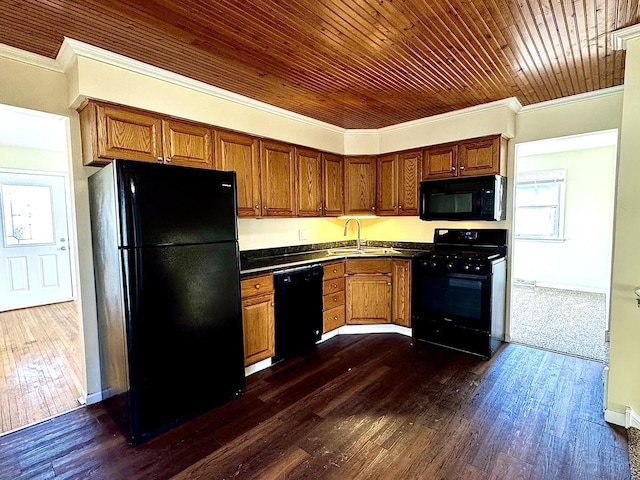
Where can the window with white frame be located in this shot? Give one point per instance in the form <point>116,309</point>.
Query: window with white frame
<point>540,205</point>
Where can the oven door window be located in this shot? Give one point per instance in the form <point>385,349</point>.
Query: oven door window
<point>462,299</point>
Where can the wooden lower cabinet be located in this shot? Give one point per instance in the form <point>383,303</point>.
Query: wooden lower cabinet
<point>401,293</point>
<point>258,321</point>
<point>333,314</point>
<point>368,299</point>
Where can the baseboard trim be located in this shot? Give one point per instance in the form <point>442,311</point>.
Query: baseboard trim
<point>92,398</point>
<point>256,367</point>
<point>358,329</point>
<point>626,419</point>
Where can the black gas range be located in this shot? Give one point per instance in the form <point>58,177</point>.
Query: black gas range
<point>458,290</point>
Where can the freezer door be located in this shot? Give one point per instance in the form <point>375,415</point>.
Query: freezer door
<point>171,205</point>
<point>184,332</point>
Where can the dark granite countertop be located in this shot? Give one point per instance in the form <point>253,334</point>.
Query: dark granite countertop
<point>271,259</point>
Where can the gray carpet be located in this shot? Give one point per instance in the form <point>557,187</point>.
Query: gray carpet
<point>564,321</point>
<point>634,452</point>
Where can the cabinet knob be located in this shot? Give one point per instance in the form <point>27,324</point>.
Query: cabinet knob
<point>335,270</point>
<point>335,285</point>
<point>273,304</point>
<point>257,207</point>
<point>453,169</point>
<point>168,159</point>
<point>320,208</point>
<point>389,283</point>
<point>257,285</point>
<point>461,167</point>
<point>373,209</point>
<point>335,299</point>
<point>400,207</point>
<point>265,207</point>
<point>160,159</point>
<point>335,317</point>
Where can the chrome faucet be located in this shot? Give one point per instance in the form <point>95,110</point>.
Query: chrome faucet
<point>346,223</point>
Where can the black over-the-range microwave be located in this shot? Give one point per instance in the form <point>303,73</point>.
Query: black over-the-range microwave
<point>464,198</point>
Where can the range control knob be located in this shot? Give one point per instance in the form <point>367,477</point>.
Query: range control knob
<point>466,266</point>
<point>450,265</point>
<point>478,268</point>
<point>433,264</point>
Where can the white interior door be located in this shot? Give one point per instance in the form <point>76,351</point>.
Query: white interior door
<point>35,262</point>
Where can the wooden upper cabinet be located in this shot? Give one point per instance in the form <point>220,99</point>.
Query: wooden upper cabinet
<point>387,191</point>
<point>187,144</point>
<point>240,153</point>
<point>360,185</point>
<point>308,183</point>
<point>440,161</point>
<point>409,176</point>
<point>476,156</point>
<point>110,132</point>
<point>333,184</point>
<point>277,179</point>
<point>483,156</point>
<point>398,178</point>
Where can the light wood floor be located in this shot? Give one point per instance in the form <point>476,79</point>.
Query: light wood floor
<point>41,365</point>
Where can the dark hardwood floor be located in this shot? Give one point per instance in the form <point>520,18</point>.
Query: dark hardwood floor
<point>369,407</point>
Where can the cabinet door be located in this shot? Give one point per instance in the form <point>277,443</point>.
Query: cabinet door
<point>400,301</point>
<point>368,299</point>
<point>129,135</point>
<point>480,156</point>
<point>360,185</point>
<point>440,161</point>
<point>239,153</point>
<point>258,328</point>
<point>387,191</point>
<point>333,184</point>
<point>187,144</point>
<point>277,179</point>
<point>409,175</point>
<point>309,183</point>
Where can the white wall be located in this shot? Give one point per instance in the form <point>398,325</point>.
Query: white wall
<point>21,158</point>
<point>583,260</point>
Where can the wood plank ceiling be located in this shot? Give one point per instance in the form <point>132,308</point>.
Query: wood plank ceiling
<point>351,63</point>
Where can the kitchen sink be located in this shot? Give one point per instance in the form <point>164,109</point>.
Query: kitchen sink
<point>364,251</point>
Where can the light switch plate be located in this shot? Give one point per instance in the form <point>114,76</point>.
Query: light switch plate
<point>302,234</point>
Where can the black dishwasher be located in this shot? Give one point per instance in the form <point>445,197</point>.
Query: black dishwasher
<point>298,310</point>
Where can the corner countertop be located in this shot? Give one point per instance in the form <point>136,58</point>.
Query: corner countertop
<point>272,259</point>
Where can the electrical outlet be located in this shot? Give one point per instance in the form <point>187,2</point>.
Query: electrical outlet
<point>302,234</point>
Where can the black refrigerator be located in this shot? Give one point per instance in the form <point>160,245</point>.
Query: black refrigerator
<point>168,293</point>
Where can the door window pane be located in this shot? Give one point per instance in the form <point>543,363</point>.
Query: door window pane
<point>27,215</point>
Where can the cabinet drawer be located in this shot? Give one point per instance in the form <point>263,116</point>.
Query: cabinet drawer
<point>333,270</point>
<point>256,285</point>
<point>332,319</point>
<point>368,266</point>
<point>332,286</point>
<point>333,300</point>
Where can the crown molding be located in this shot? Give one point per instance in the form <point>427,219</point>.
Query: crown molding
<point>511,103</point>
<point>619,37</point>
<point>72,49</point>
<point>29,58</point>
<point>603,92</point>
